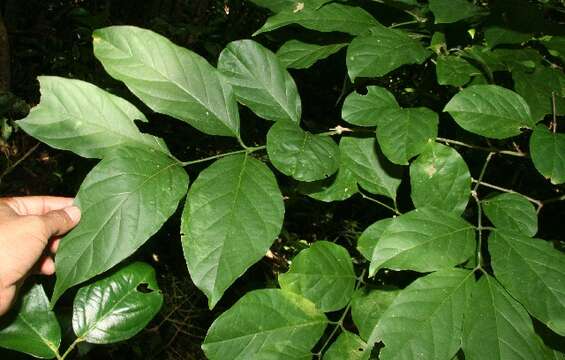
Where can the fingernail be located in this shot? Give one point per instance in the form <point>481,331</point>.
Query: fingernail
<point>73,212</point>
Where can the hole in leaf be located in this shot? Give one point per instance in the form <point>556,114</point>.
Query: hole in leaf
<point>144,288</point>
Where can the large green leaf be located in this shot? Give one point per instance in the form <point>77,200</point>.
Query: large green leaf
<point>381,51</point>
<point>77,116</point>
<point>266,324</point>
<point>300,154</point>
<point>170,79</point>
<point>295,54</point>
<point>115,308</point>
<point>260,81</point>
<point>369,238</point>
<point>454,70</point>
<point>124,200</point>
<point>348,346</point>
<point>532,271</point>
<point>538,87</point>
<point>233,213</point>
<point>495,35</point>
<point>31,327</point>
<point>450,11</point>
<point>491,111</point>
<point>323,274</point>
<point>512,212</point>
<point>332,17</point>
<point>547,150</point>
<point>365,110</point>
<point>497,327</point>
<point>425,239</point>
<point>440,177</point>
<point>425,320</point>
<point>404,133</point>
<point>373,171</point>
<point>367,307</point>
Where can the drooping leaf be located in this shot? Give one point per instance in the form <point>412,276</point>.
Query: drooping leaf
<point>300,154</point>
<point>260,81</point>
<point>233,213</point>
<point>78,116</point>
<point>348,346</point>
<point>124,200</point>
<point>450,11</point>
<point>454,70</point>
<point>31,327</point>
<point>373,171</point>
<point>539,88</point>
<point>266,324</point>
<point>424,240</point>
<point>532,271</point>
<point>547,150</point>
<point>382,51</point>
<point>491,111</point>
<point>369,238</point>
<point>425,320</point>
<point>169,79</point>
<point>404,133</point>
<point>365,110</point>
<point>440,177</point>
<point>323,274</point>
<point>512,212</point>
<point>295,54</point>
<point>497,327</point>
<point>495,35</point>
<point>115,308</point>
<point>331,17</point>
<point>367,307</point>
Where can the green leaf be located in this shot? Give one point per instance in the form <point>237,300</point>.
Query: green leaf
<point>424,240</point>
<point>373,171</point>
<point>124,200</point>
<point>322,274</point>
<point>404,133</point>
<point>332,17</point>
<point>425,320</point>
<point>525,59</point>
<point>454,70</point>
<point>440,177</point>
<point>365,110</point>
<point>300,154</point>
<point>233,214</point>
<point>450,11</point>
<point>547,150</point>
<point>77,116</point>
<point>512,212</point>
<point>169,79</point>
<point>369,238</point>
<point>260,81</point>
<point>114,308</point>
<point>31,327</point>
<point>367,307</point>
<point>491,111</point>
<point>348,346</point>
<point>537,89</point>
<point>296,54</point>
<point>497,327</point>
<point>382,51</point>
<point>495,35</point>
<point>532,271</point>
<point>270,324</point>
<point>555,45</point>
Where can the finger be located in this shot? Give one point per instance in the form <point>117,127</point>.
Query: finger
<point>46,266</point>
<point>37,205</point>
<point>54,244</point>
<point>59,222</point>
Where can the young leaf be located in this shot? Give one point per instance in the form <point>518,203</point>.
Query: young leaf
<point>114,309</point>
<point>440,177</point>
<point>124,200</point>
<point>404,133</point>
<point>425,320</point>
<point>348,346</point>
<point>300,154</point>
<point>424,240</point>
<point>454,70</point>
<point>295,54</point>
<point>365,110</point>
<point>368,307</point>
<point>382,51</point>
<point>78,116</point>
<point>233,214</point>
<point>266,324</point>
<point>538,89</point>
<point>322,274</point>
<point>495,35</point>
<point>512,212</point>
<point>31,327</point>
<point>450,11</point>
<point>547,149</point>
<point>373,171</point>
<point>369,238</point>
<point>491,111</point>
<point>170,79</point>
<point>497,327</point>
<point>260,81</point>
<point>532,271</point>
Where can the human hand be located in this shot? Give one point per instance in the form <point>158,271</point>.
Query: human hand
<point>30,228</point>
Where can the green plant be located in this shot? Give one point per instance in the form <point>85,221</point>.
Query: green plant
<point>477,283</point>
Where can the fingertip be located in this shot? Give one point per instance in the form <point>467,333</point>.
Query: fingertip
<point>54,245</point>
<point>74,213</point>
<point>46,266</point>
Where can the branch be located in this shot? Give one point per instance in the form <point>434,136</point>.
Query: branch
<point>483,148</point>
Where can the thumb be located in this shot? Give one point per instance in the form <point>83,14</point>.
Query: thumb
<point>59,222</point>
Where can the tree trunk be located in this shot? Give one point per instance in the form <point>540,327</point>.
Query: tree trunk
<point>4,58</point>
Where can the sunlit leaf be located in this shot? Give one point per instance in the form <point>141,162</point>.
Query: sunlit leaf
<point>369,238</point>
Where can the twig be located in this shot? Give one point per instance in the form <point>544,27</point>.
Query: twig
<point>380,203</point>
<point>248,150</point>
<point>539,203</point>
<point>554,108</point>
<point>479,255</point>
<point>483,148</point>
<point>18,162</point>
